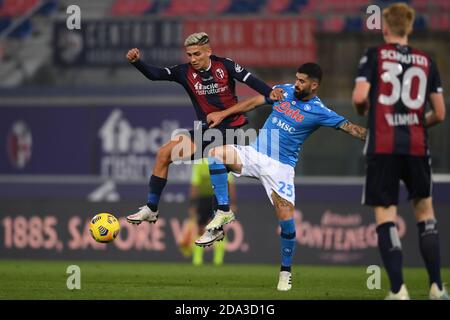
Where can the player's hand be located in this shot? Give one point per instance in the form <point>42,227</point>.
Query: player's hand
<point>277,94</point>
<point>133,55</point>
<point>214,118</point>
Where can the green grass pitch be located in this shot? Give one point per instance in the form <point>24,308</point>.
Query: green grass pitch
<point>20,279</point>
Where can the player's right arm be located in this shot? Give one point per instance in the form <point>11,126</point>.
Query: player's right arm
<point>360,96</point>
<point>354,130</point>
<point>436,97</point>
<point>437,113</point>
<point>215,118</point>
<point>151,72</point>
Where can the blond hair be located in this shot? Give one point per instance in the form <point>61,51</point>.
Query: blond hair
<point>196,39</point>
<point>399,18</point>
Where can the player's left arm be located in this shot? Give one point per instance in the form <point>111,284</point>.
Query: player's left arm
<point>215,118</point>
<point>244,76</point>
<point>354,130</point>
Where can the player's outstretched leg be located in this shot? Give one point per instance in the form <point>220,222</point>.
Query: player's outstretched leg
<point>183,147</point>
<point>219,181</point>
<point>287,247</point>
<point>285,213</point>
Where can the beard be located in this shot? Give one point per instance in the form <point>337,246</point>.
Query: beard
<point>301,94</point>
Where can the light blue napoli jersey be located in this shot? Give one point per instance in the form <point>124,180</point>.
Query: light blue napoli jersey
<point>291,122</point>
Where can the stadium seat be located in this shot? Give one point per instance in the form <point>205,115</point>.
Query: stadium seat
<point>297,5</point>
<point>420,4</point>
<point>277,6</point>
<point>333,24</point>
<point>439,22</point>
<point>353,24</point>
<point>130,7</point>
<point>23,30</point>
<point>48,7</point>
<point>178,8</point>
<point>420,23</point>
<point>221,6</point>
<point>444,6</point>
<point>4,23</point>
<point>245,6</point>
<point>194,7</point>
<point>15,8</point>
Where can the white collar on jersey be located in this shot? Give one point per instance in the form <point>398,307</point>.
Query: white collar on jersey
<point>209,67</point>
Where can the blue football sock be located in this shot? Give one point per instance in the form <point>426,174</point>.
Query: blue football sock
<point>429,248</point>
<point>219,181</point>
<point>156,185</point>
<point>391,253</point>
<point>287,243</point>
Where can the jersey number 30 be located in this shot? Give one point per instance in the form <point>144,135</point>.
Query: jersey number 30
<point>403,90</point>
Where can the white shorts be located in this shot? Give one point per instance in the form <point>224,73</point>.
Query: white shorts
<point>274,175</point>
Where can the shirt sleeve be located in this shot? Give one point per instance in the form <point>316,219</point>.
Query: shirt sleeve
<point>434,79</point>
<point>329,118</point>
<point>366,66</point>
<point>155,73</point>
<point>241,74</point>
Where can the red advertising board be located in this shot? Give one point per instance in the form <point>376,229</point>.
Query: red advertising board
<point>260,42</point>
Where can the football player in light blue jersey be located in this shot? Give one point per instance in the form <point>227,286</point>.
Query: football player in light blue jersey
<point>271,158</point>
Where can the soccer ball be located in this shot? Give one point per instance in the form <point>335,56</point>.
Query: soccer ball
<point>104,227</point>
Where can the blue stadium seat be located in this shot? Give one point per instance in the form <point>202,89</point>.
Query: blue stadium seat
<point>158,6</point>
<point>353,24</point>
<point>297,5</point>
<point>420,23</point>
<point>23,30</point>
<point>4,23</point>
<point>48,7</point>
<point>246,6</point>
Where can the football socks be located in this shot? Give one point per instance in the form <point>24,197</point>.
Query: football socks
<point>156,185</point>
<point>429,248</point>
<point>287,243</point>
<point>391,253</point>
<point>219,181</point>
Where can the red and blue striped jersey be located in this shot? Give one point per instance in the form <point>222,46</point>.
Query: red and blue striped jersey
<point>401,79</point>
<point>210,90</point>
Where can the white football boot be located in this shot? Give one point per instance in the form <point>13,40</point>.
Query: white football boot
<point>402,294</point>
<point>144,214</point>
<point>285,281</point>
<point>220,219</point>
<point>209,237</point>
<point>436,294</point>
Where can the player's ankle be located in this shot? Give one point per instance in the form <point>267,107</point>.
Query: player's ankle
<point>224,207</point>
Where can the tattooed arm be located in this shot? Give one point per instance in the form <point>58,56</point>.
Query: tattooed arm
<point>354,130</point>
